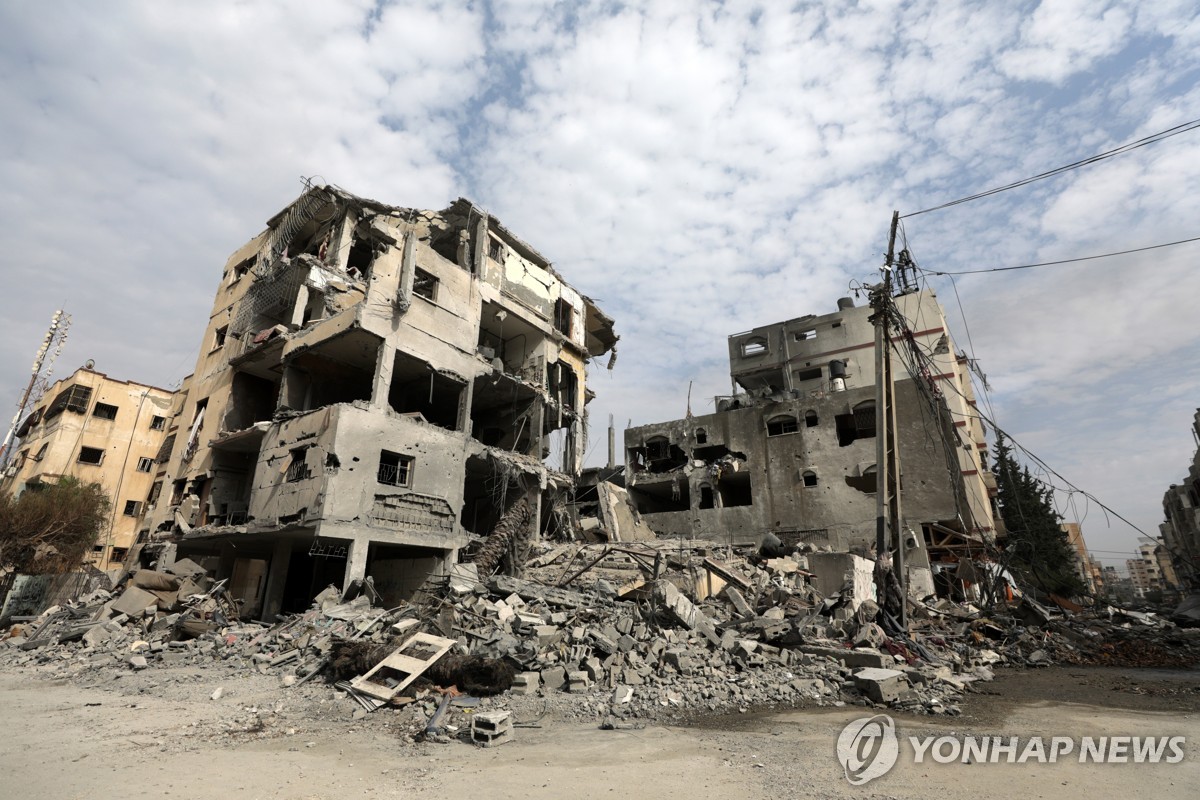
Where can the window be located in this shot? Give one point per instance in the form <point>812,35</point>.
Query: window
<point>811,419</point>
<point>495,249</point>
<point>155,491</point>
<point>41,452</point>
<point>105,411</point>
<point>563,316</point>
<point>813,374</point>
<point>395,469</point>
<point>706,496</point>
<point>701,436</point>
<point>800,336</point>
<point>74,398</point>
<point>858,424</point>
<point>158,423</point>
<point>90,455</point>
<point>219,337</point>
<point>132,507</point>
<point>783,424</point>
<point>754,346</point>
<point>297,468</point>
<point>144,464</point>
<point>810,477</point>
<point>241,268</point>
<point>425,285</point>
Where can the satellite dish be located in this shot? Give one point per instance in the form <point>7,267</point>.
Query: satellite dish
<point>89,364</point>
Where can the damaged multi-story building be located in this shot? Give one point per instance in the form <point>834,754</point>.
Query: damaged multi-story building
<point>377,388</point>
<point>792,451</point>
<point>101,430</point>
<point>1180,533</point>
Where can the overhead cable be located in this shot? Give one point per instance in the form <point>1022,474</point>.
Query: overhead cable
<point>1063,261</point>
<point>1156,137</point>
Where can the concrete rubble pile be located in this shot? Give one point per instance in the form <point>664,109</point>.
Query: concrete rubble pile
<point>618,632</point>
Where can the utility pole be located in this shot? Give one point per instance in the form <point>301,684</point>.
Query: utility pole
<point>57,330</point>
<point>888,521</point>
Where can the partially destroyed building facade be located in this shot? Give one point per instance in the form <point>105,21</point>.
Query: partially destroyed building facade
<point>376,386</point>
<point>792,451</point>
<point>1180,533</point>
<point>101,430</point>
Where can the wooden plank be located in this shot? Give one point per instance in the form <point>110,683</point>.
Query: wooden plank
<point>405,665</point>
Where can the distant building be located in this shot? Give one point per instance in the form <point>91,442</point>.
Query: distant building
<point>100,430</point>
<point>1180,533</point>
<point>377,387</point>
<point>1145,571</point>
<point>792,451</point>
<point>1085,567</point>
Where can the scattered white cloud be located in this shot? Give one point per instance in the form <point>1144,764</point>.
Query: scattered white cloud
<point>698,169</point>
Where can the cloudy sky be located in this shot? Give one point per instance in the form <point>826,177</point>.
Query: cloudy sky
<point>698,168</point>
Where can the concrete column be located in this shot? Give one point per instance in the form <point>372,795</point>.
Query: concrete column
<point>276,579</point>
<point>407,269</point>
<point>385,360</point>
<point>356,561</point>
<point>340,244</point>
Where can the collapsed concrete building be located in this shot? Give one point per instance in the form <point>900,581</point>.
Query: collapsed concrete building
<point>1180,533</point>
<point>376,388</point>
<point>792,450</point>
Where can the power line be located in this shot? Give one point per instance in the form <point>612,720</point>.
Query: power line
<point>1065,260</point>
<point>1156,137</point>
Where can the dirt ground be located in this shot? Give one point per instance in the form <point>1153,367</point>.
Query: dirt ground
<point>159,734</point>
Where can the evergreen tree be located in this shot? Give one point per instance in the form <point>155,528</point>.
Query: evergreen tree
<point>1039,552</point>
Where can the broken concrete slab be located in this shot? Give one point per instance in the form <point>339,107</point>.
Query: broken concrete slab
<point>134,601</point>
<point>881,685</point>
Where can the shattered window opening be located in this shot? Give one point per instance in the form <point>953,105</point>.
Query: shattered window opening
<point>219,336</point>
<point>144,464</point>
<point>395,469</point>
<point>754,346</point>
<point>781,425</point>
<point>706,496</point>
<point>813,374</point>
<point>104,411</point>
<point>132,507</point>
<point>242,267</point>
<point>800,336</point>
<point>90,455</point>
<point>564,315</point>
<point>297,469</point>
<point>811,419</point>
<point>495,249</point>
<point>810,478</point>
<point>425,285</point>
<point>701,436</point>
<point>158,423</point>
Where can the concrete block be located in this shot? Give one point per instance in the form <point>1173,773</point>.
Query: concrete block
<point>490,728</point>
<point>578,681</point>
<point>881,685</point>
<point>138,662</point>
<point>554,678</point>
<point>843,573</point>
<point>526,683</point>
<point>622,695</point>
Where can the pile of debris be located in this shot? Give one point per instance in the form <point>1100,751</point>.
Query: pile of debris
<point>646,630</point>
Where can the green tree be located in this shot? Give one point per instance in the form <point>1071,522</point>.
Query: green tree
<point>49,529</point>
<point>1039,552</point>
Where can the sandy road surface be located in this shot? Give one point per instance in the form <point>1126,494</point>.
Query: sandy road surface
<point>65,740</point>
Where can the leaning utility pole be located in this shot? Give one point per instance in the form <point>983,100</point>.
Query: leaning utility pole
<point>58,330</point>
<point>888,522</point>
